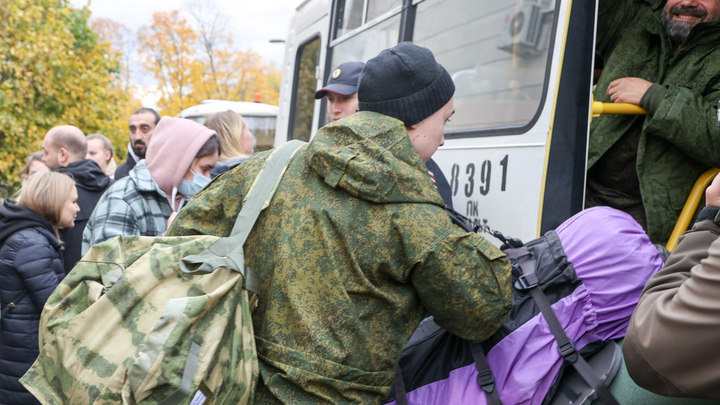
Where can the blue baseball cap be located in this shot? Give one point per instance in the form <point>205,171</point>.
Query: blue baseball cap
<point>343,80</point>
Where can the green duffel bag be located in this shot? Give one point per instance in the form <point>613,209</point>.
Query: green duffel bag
<point>157,320</point>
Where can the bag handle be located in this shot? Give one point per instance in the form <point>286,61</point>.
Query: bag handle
<point>228,251</point>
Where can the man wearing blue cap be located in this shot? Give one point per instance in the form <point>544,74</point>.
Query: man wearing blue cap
<point>341,90</point>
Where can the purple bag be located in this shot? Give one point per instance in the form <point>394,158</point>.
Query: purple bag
<point>592,269</point>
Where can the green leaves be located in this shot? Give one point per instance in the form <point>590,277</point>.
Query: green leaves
<point>54,70</point>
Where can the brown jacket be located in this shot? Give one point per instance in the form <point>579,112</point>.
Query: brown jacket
<point>671,344</point>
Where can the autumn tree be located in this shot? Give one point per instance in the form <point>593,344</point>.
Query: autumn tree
<point>193,64</point>
<point>121,40</point>
<point>53,70</point>
<point>167,47</point>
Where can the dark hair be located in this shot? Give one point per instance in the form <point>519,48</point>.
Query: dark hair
<point>211,146</point>
<point>148,110</point>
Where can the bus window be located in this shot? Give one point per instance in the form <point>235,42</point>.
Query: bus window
<point>376,8</point>
<point>367,44</point>
<point>303,103</point>
<point>496,52</point>
<point>352,15</point>
<point>363,46</point>
<point>263,129</point>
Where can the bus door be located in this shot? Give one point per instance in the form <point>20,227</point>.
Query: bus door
<point>302,72</point>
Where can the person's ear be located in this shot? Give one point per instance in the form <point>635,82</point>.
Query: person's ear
<point>108,156</point>
<point>63,156</point>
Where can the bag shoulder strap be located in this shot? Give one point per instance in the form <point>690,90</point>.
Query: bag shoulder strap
<point>228,251</point>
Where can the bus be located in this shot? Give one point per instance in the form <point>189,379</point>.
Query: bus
<point>515,153</point>
<point>515,150</point>
<point>261,118</point>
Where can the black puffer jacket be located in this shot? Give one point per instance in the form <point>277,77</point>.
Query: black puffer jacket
<point>91,183</point>
<point>30,269</point>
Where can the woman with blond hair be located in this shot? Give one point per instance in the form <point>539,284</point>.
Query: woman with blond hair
<point>236,141</point>
<point>30,268</point>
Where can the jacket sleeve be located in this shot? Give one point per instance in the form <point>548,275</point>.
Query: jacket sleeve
<point>465,283</point>
<point>34,263</point>
<point>687,119</point>
<point>670,347</point>
<point>112,217</point>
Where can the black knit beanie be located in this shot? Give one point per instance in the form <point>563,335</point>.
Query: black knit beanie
<point>404,82</point>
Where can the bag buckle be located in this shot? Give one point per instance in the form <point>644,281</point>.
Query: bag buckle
<point>568,351</point>
<point>522,283</point>
<point>486,381</point>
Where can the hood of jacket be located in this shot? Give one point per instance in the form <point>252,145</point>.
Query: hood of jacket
<point>14,218</point>
<point>370,156</point>
<point>87,175</point>
<point>172,148</point>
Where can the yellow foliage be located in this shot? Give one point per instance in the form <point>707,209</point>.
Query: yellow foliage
<point>189,70</point>
<point>53,71</point>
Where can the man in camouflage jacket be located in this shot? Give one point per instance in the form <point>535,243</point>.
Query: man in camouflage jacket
<point>664,57</point>
<point>356,247</point>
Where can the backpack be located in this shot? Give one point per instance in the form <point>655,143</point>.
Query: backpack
<point>574,290</point>
<point>157,320</point>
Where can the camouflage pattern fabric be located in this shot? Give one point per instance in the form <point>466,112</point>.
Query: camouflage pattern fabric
<point>122,326</point>
<point>680,140</point>
<point>352,252</point>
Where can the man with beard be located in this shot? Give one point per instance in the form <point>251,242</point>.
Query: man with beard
<point>142,125</point>
<point>664,58</point>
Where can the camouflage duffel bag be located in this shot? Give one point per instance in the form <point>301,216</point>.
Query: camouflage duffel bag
<point>157,320</point>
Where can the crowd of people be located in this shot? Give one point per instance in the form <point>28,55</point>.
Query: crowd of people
<point>363,209</point>
<point>73,195</point>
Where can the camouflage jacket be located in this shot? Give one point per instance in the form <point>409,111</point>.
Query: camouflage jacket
<point>680,139</point>
<point>353,251</point>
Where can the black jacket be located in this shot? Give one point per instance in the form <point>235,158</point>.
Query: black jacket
<point>124,169</point>
<point>30,269</point>
<point>91,183</point>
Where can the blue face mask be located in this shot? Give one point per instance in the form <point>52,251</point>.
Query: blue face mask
<point>189,189</point>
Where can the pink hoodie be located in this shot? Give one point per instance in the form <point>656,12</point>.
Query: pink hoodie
<point>172,148</point>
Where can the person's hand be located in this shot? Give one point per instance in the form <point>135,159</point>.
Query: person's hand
<point>170,220</point>
<point>628,90</point>
<point>712,194</point>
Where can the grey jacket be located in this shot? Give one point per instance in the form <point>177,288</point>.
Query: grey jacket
<point>671,343</point>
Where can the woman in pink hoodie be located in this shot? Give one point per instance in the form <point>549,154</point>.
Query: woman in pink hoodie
<point>177,165</point>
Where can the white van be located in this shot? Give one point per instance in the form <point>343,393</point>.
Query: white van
<point>261,118</point>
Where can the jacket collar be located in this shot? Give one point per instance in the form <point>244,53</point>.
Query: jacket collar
<point>14,218</point>
<point>144,180</point>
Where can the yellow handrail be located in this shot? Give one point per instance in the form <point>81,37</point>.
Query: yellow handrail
<point>599,108</point>
<point>690,207</point>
